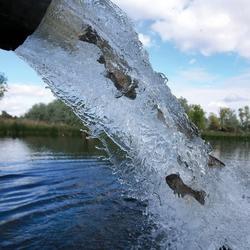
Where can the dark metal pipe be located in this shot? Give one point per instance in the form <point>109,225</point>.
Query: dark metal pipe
<point>19,19</point>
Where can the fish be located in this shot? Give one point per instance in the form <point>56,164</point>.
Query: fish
<point>213,162</point>
<point>225,247</point>
<point>175,182</point>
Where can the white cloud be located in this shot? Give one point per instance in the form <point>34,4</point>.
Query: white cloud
<point>145,39</point>
<point>235,98</point>
<point>213,98</point>
<point>233,92</point>
<point>21,97</point>
<point>201,25</point>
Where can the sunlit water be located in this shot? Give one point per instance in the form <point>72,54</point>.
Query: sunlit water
<point>59,194</point>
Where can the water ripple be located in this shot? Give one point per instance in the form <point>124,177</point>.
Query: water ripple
<point>48,202</point>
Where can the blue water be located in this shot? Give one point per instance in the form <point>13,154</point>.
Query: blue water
<point>59,194</point>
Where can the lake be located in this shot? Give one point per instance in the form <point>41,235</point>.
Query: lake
<point>59,193</point>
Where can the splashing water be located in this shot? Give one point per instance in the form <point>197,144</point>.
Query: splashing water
<point>90,56</point>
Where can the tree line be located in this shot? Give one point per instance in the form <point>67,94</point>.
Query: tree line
<point>228,119</point>
<point>55,112</point>
<point>53,119</point>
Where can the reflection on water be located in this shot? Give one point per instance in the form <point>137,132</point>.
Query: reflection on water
<point>232,150</point>
<point>236,155</point>
<point>33,147</point>
<point>56,193</point>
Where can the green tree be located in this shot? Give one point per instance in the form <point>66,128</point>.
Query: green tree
<point>247,118</point>
<point>228,120</point>
<point>213,122</point>
<point>244,115</point>
<point>184,103</point>
<point>197,116</point>
<point>241,116</point>
<point>38,112</point>
<point>3,85</point>
<point>54,112</point>
<point>5,115</point>
<point>223,113</point>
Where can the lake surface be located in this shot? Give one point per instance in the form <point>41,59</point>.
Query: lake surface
<point>60,194</point>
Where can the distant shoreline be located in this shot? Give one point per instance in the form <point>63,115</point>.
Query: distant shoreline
<point>225,135</point>
<point>24,127</point>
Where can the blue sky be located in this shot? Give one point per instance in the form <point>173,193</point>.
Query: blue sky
<point>16,69</point>
<point>25,87</point>
<point>202,46</point>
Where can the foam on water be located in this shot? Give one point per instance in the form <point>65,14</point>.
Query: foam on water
<point>151,127</point>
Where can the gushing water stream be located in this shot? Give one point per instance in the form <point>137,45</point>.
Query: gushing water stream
<point>90,56</point>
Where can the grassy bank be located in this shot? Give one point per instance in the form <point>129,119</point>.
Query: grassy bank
<point>225,135</point>
<point>23,127</point>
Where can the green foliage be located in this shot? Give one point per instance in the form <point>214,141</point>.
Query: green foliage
<point>223,113</point>
<point>5,115</point>
<point>184,103</point>
<point>21,127</point>
<point>38,112</point>
<point>225,135</point>
<point>228,120</point>
<point>244,115</point>
<point>241,116</point>
<point>195,113</point>
<point>197,116</point>
<point>54,119</point>
<point>3,85</point>
<point>55,112</point>
<point>213,122</point>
